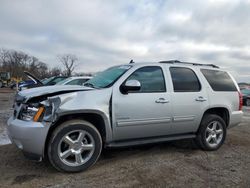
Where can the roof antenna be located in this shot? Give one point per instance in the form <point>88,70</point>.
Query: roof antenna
<point>131,61</point>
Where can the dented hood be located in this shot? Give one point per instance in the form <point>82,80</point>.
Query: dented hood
<point>50,90</point>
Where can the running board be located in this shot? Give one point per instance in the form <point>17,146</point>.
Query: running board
<point>151,140</point>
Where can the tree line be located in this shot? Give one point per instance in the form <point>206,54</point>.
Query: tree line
<point>16,62</point>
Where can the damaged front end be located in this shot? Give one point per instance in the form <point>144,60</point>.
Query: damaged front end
<point>37,111</point>
<point>40,103</point>
<point>33,116</point>
<point>42,108</point>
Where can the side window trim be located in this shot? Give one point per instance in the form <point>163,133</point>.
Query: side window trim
<point>200,85</point>
<point>163,75</point>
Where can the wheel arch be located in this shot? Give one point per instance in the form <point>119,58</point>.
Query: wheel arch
<point>98,119</point>
<point>223,112</point>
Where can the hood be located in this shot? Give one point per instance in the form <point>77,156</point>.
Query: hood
<point>32,77</point>
<point>51,91</point>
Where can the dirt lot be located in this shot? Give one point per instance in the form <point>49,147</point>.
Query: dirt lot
<point>172,164</point>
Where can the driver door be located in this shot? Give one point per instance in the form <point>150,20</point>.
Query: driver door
<point>143,113</point>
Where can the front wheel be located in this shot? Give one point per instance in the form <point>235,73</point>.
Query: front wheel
<point>212,132</point>
<point>74,146</point>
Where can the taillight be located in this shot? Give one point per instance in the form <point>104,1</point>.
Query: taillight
<point>240,100</point>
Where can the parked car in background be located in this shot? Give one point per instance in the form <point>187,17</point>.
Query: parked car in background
<point>35,82</point>
<point>126,105</point>
<point>80,80</point>
<point>244,85</point>
<point>26,83</point>
<point>53,80</point>
<point>21,84</point>
<point>246,97</point>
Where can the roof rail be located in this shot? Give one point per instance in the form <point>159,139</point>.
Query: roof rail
<point>196,64</point>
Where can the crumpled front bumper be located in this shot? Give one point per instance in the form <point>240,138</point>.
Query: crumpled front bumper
<point>28,136</point>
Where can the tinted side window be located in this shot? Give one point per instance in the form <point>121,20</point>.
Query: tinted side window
<point>184,80</point>
<point>219,80</point>
<point>151,79</point>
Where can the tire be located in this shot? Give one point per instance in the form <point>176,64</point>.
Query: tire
<point>248,102</point>
<point>1,84</point>
<point>212,132</point>
<point>74,146</point>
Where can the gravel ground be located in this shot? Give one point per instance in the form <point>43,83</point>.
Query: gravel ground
<point>171,164</point>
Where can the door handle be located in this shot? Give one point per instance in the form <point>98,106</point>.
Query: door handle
<point>200,99</point>
<point>162,101</point>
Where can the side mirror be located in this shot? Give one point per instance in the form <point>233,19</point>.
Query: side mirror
<point>130,85</point>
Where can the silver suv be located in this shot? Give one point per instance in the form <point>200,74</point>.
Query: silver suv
<point>126,105</point>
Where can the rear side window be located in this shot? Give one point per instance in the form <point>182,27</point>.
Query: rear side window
<point>184,80</point>
<point>219,80</point>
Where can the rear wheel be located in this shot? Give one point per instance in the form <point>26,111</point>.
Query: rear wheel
<point>74,146</point>
<point>212,132</point>
<point>1,84</point>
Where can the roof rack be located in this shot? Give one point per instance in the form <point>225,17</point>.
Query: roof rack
<point>196,64</point>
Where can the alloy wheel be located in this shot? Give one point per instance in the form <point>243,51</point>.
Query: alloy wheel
<point>214,134</point>
<point>76,148</point>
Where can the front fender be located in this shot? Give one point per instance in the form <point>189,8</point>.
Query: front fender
<point>85,102</point>
<point>78,113</point>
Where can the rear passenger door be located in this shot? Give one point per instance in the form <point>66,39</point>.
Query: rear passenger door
<point>189,100</point>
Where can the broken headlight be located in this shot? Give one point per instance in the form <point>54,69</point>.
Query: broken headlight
<point>32,112</point>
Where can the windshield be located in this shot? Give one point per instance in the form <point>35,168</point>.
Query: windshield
<point>55,81</point>
<point>45,81</point>
<point>107,77</point>
<point>62,82</point>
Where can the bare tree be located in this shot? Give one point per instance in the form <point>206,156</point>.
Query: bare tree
<point>69,62</point>
<point>55,71</point>
<point>3,56</point>
<point>16,62</point>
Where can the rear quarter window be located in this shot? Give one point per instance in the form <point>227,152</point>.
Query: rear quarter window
<point>219,80</point>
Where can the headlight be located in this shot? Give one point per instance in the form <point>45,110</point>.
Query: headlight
<point>30,113</point>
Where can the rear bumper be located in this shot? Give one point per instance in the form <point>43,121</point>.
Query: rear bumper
<point>30,137</point>
<point>235,118</point>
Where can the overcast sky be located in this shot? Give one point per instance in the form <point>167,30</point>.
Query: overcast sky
<point>104,33</point>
